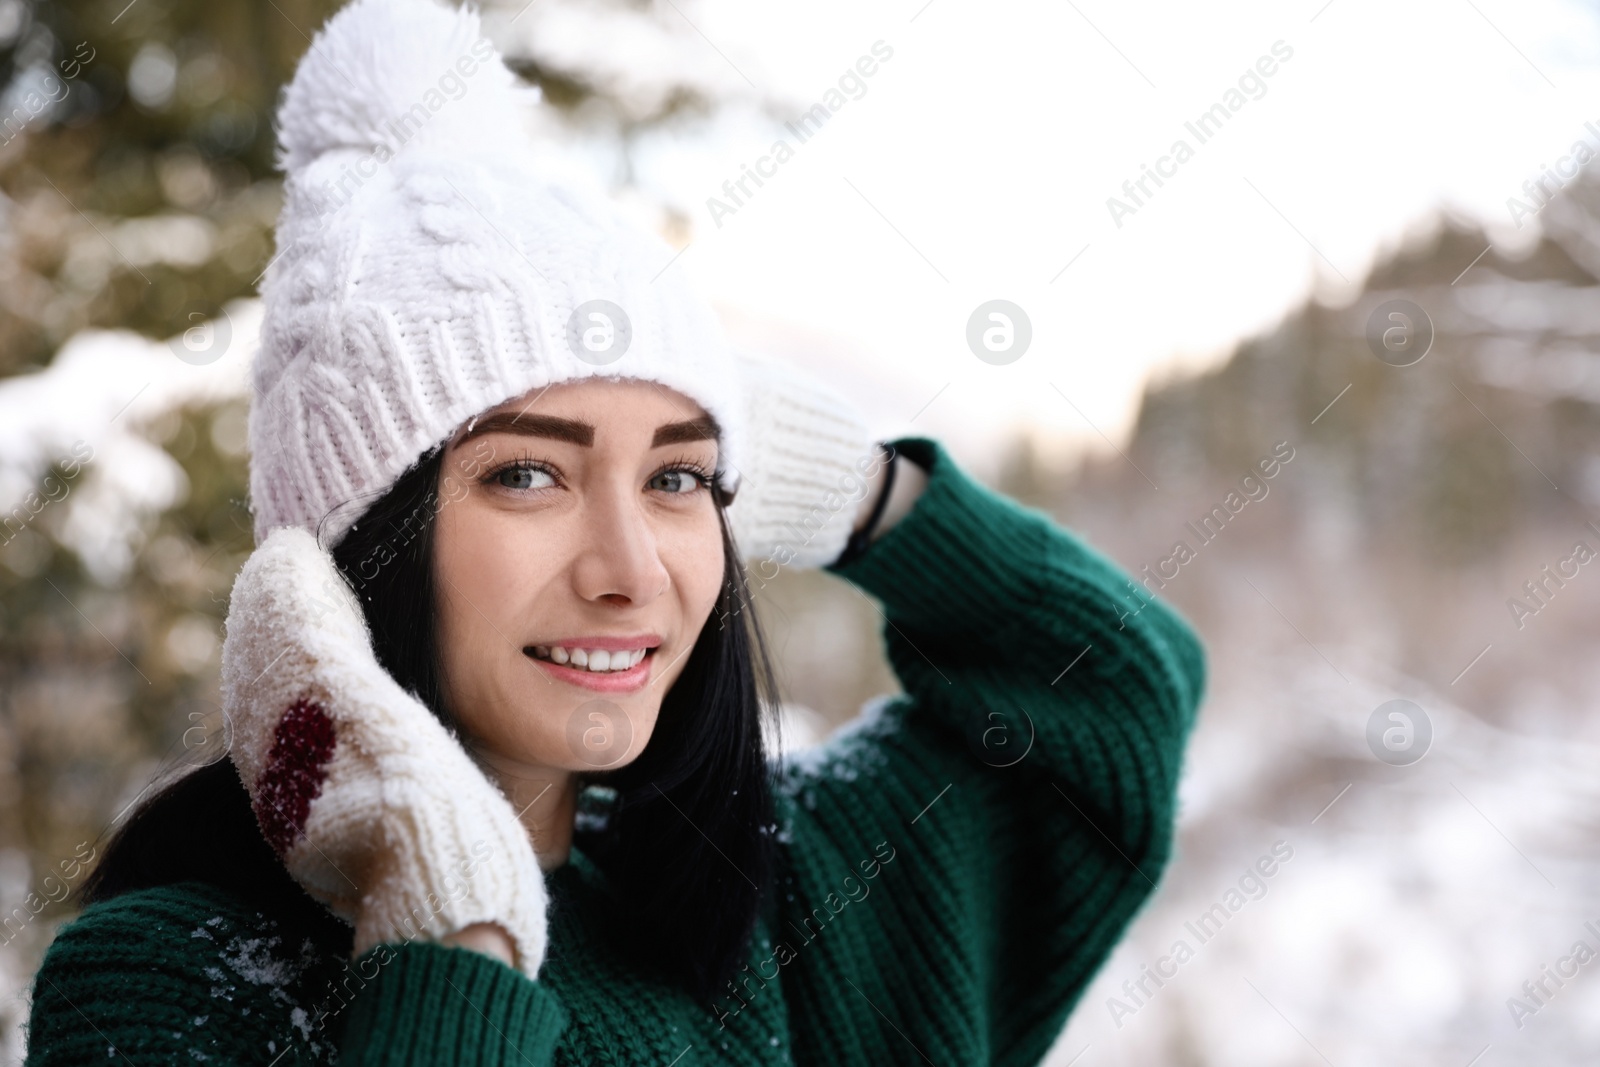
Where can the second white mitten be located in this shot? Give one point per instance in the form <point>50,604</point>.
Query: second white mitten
<point>809,459</point>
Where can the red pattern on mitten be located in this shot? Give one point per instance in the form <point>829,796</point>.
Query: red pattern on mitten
<point>296,768</point>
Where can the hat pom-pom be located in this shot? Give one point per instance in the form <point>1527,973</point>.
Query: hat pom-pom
<point>379,70</point>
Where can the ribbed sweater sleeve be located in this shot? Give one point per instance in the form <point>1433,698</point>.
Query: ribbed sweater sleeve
<point>187,973</point>
<point>1024,784</point>
<point>431,1004</point>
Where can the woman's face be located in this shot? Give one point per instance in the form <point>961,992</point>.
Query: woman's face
<point>576,525</point>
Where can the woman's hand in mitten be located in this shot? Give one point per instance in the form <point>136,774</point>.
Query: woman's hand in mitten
<point>374,807</point>
<point>810,457</point>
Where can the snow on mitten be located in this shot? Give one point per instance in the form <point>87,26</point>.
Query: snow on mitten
<point>373,806</point>
<point>809,458</point>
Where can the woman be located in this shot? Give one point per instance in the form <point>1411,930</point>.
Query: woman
<point>497,788</point>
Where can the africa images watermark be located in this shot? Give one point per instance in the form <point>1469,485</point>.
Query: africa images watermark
<point>36,100</point>
<point>1567,967</point>
<point>340,994</point>
<point>820,916</point>
<point>1576,158</point>
<point>1252,886</point>
<point>55,490</point>
<point>449,86</point>
<point>405,530</point>
<point>53,889</point>
<point>850,488</point>
<point>1541,589</point>
<point>1209,528</point>
<point>1204,127</point>
<point>805,127</point>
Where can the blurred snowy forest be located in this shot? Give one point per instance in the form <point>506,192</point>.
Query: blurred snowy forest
<point>135,217</point>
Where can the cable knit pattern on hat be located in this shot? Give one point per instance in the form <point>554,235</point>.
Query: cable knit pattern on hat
<point>430,266</point>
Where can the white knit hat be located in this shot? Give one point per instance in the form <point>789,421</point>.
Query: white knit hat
<point>430,267</point>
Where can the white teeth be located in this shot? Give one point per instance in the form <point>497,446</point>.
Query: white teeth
<point>596,659</point>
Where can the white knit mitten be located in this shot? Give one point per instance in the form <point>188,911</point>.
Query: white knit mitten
<point>809,458</point>
<point>375,809</point>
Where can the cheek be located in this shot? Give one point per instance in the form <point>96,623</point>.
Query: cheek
<point>696,564</point>
<point>486,583</point>
<point>479,582</point>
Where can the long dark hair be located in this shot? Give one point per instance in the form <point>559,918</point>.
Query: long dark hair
<point>688,844</point>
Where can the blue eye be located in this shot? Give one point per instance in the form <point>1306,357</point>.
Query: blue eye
<point>684,479</point>
<point>519,476</point>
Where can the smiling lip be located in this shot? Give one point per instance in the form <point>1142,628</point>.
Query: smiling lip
<point>610,644</point>
<point>628,681</point>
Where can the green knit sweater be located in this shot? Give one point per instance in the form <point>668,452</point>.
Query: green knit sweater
<point>955,864</point>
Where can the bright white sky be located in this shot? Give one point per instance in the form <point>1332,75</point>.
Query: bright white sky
<point>993,137</point>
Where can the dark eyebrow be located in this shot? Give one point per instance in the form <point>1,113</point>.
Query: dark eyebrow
<point>581,433</point>
<point>689,431</point>
<point>526,425</point>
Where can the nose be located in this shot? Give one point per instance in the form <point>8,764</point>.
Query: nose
<point>619,561</point>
